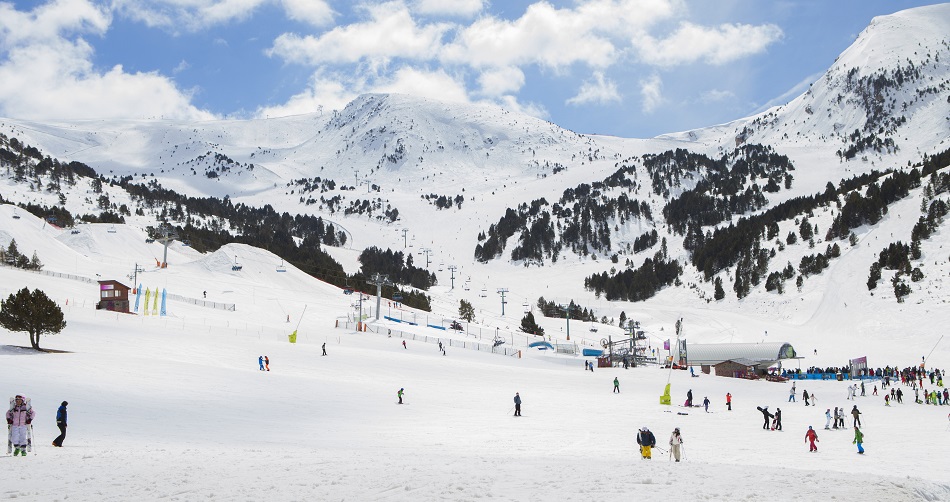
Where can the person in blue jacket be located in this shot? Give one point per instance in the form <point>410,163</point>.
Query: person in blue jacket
<point>61,423</point>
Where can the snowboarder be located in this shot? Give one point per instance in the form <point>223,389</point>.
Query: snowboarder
<point>61,423</point>
<point>791,394</point>
<point>646,440</point>
<point>616,385</point>
<point>706,404</point>
<point>260,362</point>
<point>324,347</point>
<point>828,419</point>
<point>811,437</point>
<point>517,404</point>
<point>675,441</point>
<point>857,416</point>
<point>766,416</point>
<point>691,372</point>
<point>689,398</point>
<point>858,439</point>
<point>728,401</point>
<point>267,363</point>
<point>19,418</point>
<point>805,396</point>
<point>399,394</point>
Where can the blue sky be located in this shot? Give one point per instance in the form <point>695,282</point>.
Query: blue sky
<point>633,68</point>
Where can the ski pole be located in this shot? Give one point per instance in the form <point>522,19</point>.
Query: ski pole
<point>683,451</point>
<point>511,409</point>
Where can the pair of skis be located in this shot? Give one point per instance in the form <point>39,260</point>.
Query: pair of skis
<point>29,440</point>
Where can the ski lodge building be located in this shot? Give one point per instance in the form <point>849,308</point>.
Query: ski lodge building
<point>738,359</point>
<point>113,295</point>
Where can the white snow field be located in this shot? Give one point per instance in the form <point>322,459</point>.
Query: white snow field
<point>175,408</point>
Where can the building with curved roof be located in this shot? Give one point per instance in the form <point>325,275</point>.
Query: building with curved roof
<point>709,354</point>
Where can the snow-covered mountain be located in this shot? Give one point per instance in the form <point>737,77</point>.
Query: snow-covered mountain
<point>407,173</point>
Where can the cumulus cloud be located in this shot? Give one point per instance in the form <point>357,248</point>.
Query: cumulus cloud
<point>390,32</point>
<point>188,15</point>
<point>651,93</point>
<point>314,12</point>
<point>323,92</point>
<point>500,81</point>
<point>449,7</point>
<point>435,84</point>
<point>717,45</point>
<point>600,90</point>
<point>45,74</point>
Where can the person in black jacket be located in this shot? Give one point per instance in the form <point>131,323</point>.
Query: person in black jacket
<point>766,415</point>
<point>777,424</point>
<point>61,423</point>
<point>647,441</point>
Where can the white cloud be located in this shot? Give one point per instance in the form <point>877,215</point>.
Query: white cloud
<point>49,21</point>
<point>462,8</point>
<point>323,93</point>
<point>600,90</point>
<point>716,96</point>
<point>196,15</point>
<point>533,109</point>
<point>431,84</point>
<point>543,35</point>
<point>651,92</point>
<point>496,82</point>
<point>45,75</point>
<point>182,66</point>
<point>391,32</point>
<point>315,12</point>
<point>718,45</point>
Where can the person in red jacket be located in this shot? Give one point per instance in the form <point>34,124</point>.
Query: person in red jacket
<point>811,437</point>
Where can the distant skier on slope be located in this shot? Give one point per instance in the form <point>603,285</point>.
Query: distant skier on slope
<point>517,404</point>
<point>777,423</point>
<point>857,416</point>
<point>61,424</point>
<point>647,441</point>
<point>689,398</point>
<point>811,437</point>
<point>828,419</point>
<point>729,401</point>
<point>675,441</point>
<point>858,439</point>
<point>260,362</point>
<point>706,404</point>
<point>791,394</point>
<point>616,385</point>
<point>805,396</point>
<point>399,394</point>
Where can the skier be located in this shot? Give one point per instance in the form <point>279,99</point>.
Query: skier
<point>828,419</point>
<point>791,394</point>
<point>324,347</point>
<point>874,392</point>
<point>728,401</point>
<point>706,404</point>
<point>811,437</point>
<point>858,439</point>
<point>850,392</point>
<point>765,415</point>
<point>517,404</point>
<point>836,416</point>
<point>777,423</point>
<point>675,441</point>
<point>260,362</point>
<point>900,396</point>
<point>19,417</point>
<point>404,344</point>
<point>887,400</point>
<point>61,423</point>
<point>267,363</point>
<point>805,396</point>
<point>616,385</point>
<point>862,389</point>
<point>691,373</point>
<point>689,398</point>
<point>856,414</point>
<point>399,394</point>
<point>646,440</point>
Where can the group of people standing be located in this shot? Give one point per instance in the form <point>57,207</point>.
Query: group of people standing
<point>647,442</point>
<point>20,425</point>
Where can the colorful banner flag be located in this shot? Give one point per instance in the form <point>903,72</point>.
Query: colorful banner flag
<point>666,344</point>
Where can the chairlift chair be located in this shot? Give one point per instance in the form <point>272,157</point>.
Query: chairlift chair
<point>397,297</point>
<point>236,267</point>
<point>281,268</point>
<point>112,229</point>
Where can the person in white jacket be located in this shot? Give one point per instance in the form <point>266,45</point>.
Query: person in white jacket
<point>675,441</point>
<point>828,419</point>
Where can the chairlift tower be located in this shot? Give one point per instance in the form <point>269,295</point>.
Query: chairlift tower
<point>405,242</point>
<point>379,281</point>
<point>502,291</point>
<point>567,315</point>
<point>633,329</point>
<point>135,277</point>
<point>167,235</point>
<point>453,268</point>
<point>427,252</point>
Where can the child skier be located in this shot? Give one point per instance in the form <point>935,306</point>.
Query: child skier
<point>828,419</point>
<point>811,437</point>
<point>399,394</point>
<point>19,418</point>
<point>858,439</point>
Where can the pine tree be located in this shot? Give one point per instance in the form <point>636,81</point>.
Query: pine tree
<point>466,311</point>
<point>720,293</point>
<point>32,312</point>
<point>528,325</point>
